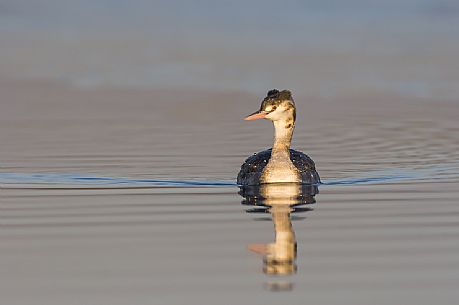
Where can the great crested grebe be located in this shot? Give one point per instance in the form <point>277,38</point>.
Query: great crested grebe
<point>279,164</point>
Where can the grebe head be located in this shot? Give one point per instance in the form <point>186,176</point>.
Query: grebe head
<point>276,106</point>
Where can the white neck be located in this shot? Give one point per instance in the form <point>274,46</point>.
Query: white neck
<point>280,168</point>
<point>282,137</point>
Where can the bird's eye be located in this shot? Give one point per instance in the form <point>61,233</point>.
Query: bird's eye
<point>273,108</point>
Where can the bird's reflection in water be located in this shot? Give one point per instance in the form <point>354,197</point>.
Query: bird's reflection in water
<point>280,200</point>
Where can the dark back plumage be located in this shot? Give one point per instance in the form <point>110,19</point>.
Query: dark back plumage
<point>252,168</point>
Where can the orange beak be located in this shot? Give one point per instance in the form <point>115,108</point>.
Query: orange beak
<point>259,248</point>
<point>256,115</point>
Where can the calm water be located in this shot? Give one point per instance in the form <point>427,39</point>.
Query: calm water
<point>121,139</point>
<point>132,203</point>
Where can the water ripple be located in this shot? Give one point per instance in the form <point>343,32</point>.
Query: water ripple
<point>439,173</point>
<point>78,179</point>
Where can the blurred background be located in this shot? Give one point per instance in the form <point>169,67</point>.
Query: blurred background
<point>147,97</point>
<point>115,87</point>
<point>326,49</point>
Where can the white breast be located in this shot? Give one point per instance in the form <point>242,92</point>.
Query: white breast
<point>280,172</point>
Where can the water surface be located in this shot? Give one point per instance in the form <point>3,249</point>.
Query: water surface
<point>132,203</point>
<point>121,138</point>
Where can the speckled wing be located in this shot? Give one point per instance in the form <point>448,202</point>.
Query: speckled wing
<point>252,168</point>
<point>305,166</point>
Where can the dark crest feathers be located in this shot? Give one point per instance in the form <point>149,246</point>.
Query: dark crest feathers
<point>273,93</point>
<point>279,95</point>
